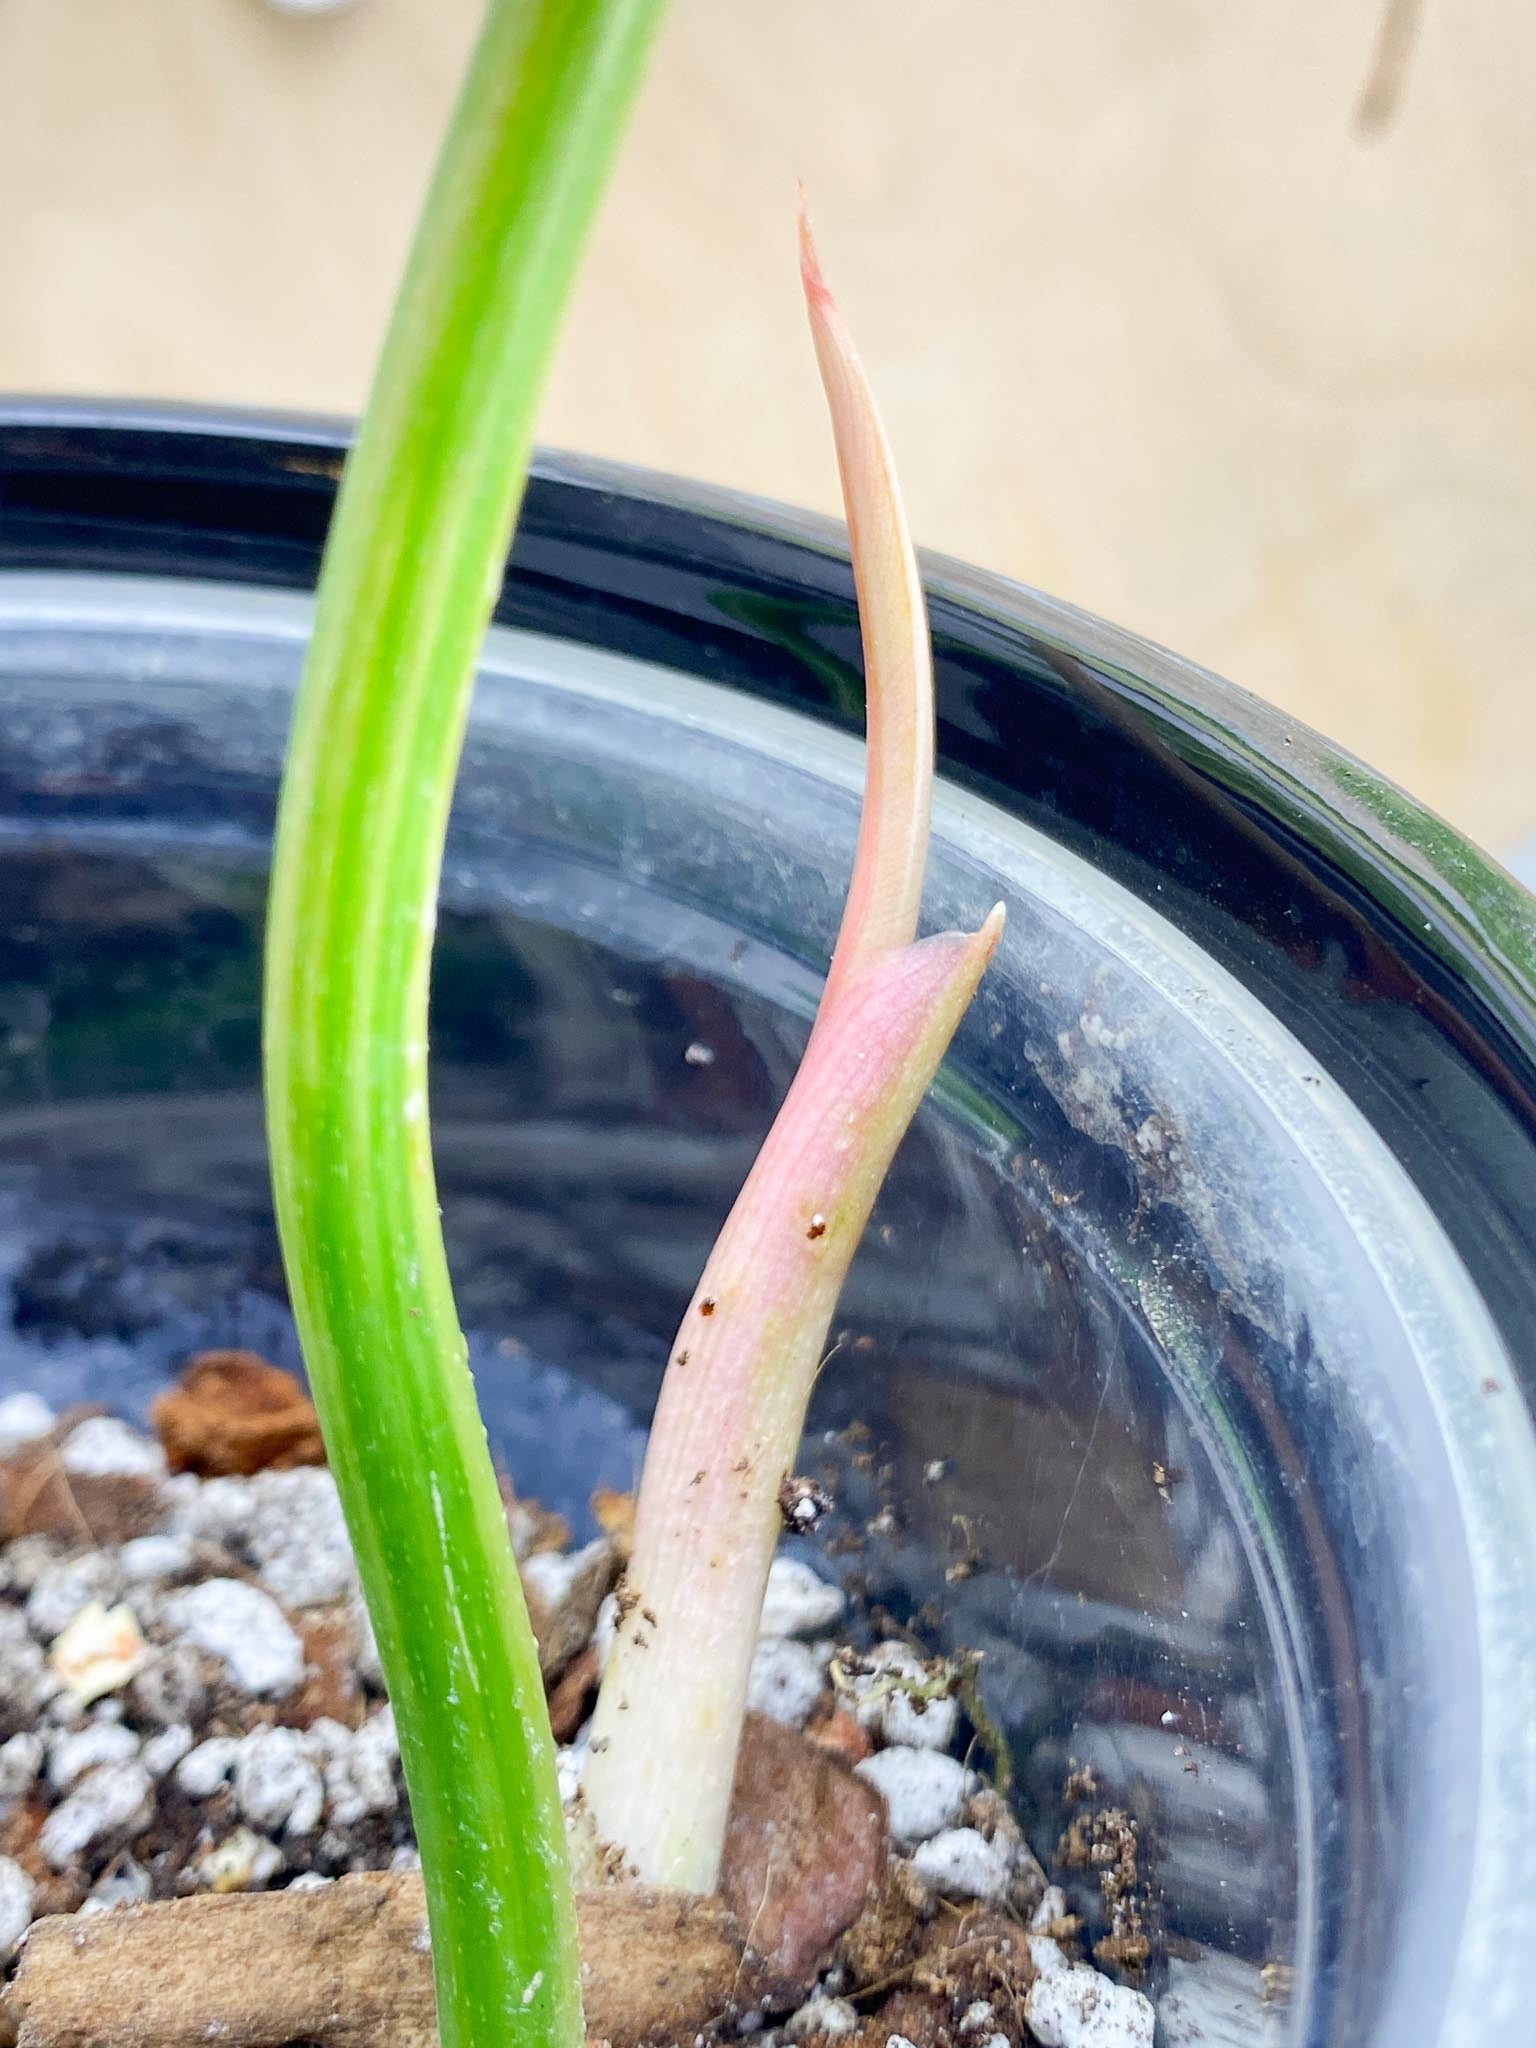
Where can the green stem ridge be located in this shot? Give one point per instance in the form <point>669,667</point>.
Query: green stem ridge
<point>414,560</point>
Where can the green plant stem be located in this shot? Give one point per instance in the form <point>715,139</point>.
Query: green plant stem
<point>413,562</point>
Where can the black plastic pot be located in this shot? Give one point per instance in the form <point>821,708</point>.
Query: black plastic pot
<point>1207,1284</point>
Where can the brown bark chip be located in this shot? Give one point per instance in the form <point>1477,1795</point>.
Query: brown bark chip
<point>232,1413</point>
<point>839,1733</point>
<point>563,1595</point>
<point>345,1967</point>
<point>570,1697</point>
<point>804,1851</point>
<point>615,1514</point>
<point>330,1691</point>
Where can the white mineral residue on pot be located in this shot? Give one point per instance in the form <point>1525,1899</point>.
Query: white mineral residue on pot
<point>1218,2001</point>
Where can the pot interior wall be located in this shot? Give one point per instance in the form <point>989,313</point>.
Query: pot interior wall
<point>1126,1351</point>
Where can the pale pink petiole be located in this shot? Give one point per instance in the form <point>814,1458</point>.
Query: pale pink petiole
<point>732,1407</point>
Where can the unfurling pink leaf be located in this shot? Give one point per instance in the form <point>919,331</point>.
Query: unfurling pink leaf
<point>732,1406</point>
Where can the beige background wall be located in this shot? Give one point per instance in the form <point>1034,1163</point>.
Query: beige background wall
<point>1153,325</point>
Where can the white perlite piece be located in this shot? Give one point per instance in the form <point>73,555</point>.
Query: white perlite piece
<point>210,1510</point>
<point>25,1683</point>
<point>277,1784</point>
<point>23,1419</point>
<point>797,1602</point>
<point>1070,2005</point>
<point>786,1680</point>
<point>369,1669</point>
<point>124,1883</point>
<point>923,1791</point>
<point>605,1630</point>
<point>20,1761</point>
<point>101,1447</point>
<point>1051,1909</point>
<point>298,1536</point>
<point>64,1588</point>
<point>98,1742</point>
<point>242,1862</point>
<point>962,1864</point>
<point>22,1564</point>
<point>203,1770</point>
<point>359,1768</point>
<point>244,1627</point>
<point>113,1800</point>
<point>569,1765</point>
<point>819,2019</point>
<point>375,1752</point>
<point>169,1690</point>
<point>552,1576</point>
<point>163,1752</point>
<point>15,1906</point>
<point>886,1709</point>
<point>147,1559</point>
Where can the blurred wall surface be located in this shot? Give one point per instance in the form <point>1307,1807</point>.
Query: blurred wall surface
<point>1155,324</point>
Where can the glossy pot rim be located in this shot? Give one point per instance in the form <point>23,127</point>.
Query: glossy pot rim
<point>1384,940</point>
